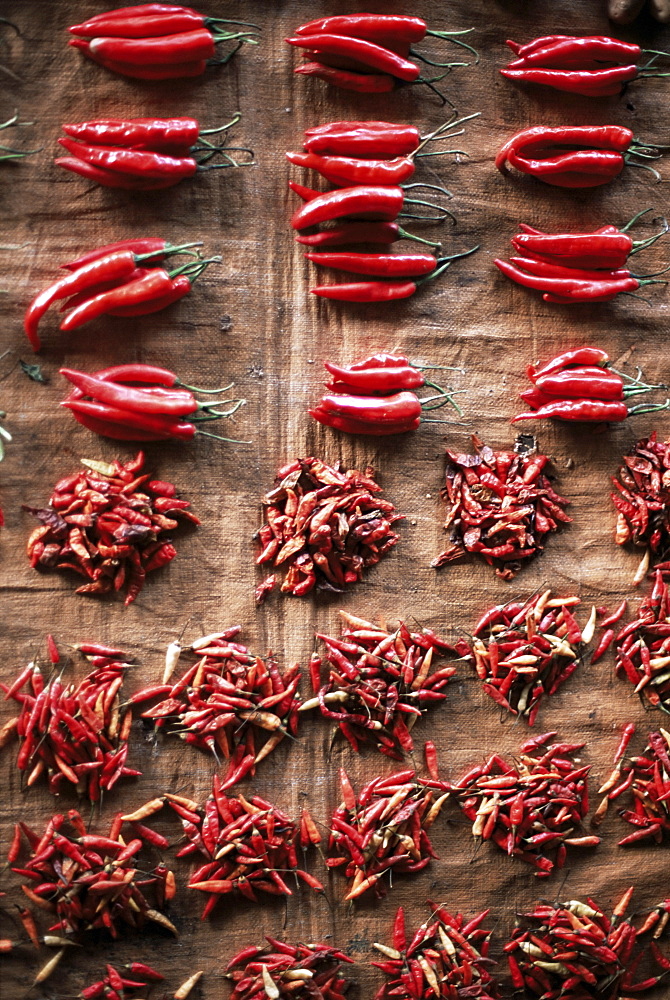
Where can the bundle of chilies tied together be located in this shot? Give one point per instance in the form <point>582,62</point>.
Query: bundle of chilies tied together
<point>374,396</point>
<point>144,154</point>
<point>581,385</point>
<point>369,53</point>
<point>578,267</point>
<point>369,161</point>
<point>157,41</point>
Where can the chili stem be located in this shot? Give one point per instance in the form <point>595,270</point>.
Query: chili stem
<point>432,62</point>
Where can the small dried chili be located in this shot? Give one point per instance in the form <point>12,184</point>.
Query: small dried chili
<point>284,971</point>
<point>642,499</point>
<point>642,647</point>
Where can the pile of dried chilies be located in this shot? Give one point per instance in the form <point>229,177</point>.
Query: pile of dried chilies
<point>287,972</point>
<point>137,402</point>
<point>647,779</point>
<point>121,279</point>
<point>368,53</point>
<point>531,807</point>
<point>574,949</point>
<point>374,396</point>
<point>643,645</point>
<point>502,506</point>
<point>157,41</point>
<point>224,700</point>
<point>580,384</point>
<point>446,957</point>
<point>379,682</point>
<point>76,733</point>
<point>384,829</point>
<point>327,525</point>
<point>642,502</point>
<point>143,154</point>
<point>115,984</point>
<point>532,647</point>
<point>109,525</point>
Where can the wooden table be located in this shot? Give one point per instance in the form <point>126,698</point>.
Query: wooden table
<point>252,320</point>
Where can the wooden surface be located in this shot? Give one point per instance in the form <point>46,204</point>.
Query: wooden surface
<point>252,320</point>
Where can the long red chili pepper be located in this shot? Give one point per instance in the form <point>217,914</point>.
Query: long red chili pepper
<point>112,179</point>
<point>360,232</point>
<point>589,83</point>
<point>578,409</point>
<point>153,249</point>
<point>397,408</point>
<point>379,264</point>
<point>374,56</point>
<point>550,269</point>
<point>157,71</point>
<point>361,83</point>
<point>369,139</point>
<point>162,427</point>
<point>157,134</point>
<point>576,356</point>
<point>382,203</point>
<point>348,170</point>
<point>384,291</point>
<point>607,137</point>
<point>145,21</point>
<point>179,403</point>
<point>373,27</point>
<point>569,289</point>
<point>575,52</point>
<point>378,379</point>
<point>580,382</point>
<point>351,426</point>
<point>133,162</point>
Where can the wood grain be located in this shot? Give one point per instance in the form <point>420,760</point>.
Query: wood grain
<point>252,320</point>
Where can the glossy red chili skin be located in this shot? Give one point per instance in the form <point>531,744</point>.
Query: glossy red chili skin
<point>578,356</point>
<point>377,379</point>
<point>373,202</point>
<point>374,56</point>
<point>133,162</point>
<point>580,383</point>
<point>367,140</point>
<point>373,27</point>
<point>360,83</point>
<point>112,179</point>
<point>181,286</point>
<point>142,245</point>
<point>568,289</point>
<point>124,23</point>
<point>607,137</point>
<point>346,171</point>
<point>583,168</point>
<point>367,291</point>
<point>584,410</point>
<point>588,83</point>
<point>133,372</point>
<point>550,269</point>
<point>362,427</point>
<point>139,71</point>
<point>599,250</point>
<point>179,403</point>
<point>353,233</point>
<point>155,284</point>
<point>182,47</point>
<point>579,52</point>
<point>155,134</point>
<point>396,408</point>
<point>164,426</point>
<point>534,398</point>
<point>381,265</point>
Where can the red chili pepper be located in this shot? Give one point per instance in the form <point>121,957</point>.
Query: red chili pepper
<point>577,356</point>
<point>582,168</point>
<point>588,82</point>
<point>161,71</point>
<point>382,265</point>
<point>179,403</point>
<point>373,27</point>
<point>606,137</point>
<point>603,250</point>
<point>347,171</point>
<point>382,379</point>
<point>133,162</point>
<point>156,134</point>
<point>112,179</point>
<point>373,139</point>
<point>570,290</point>
<point>397,408</point>
<point>181,47</point>
<point>586,410</point>
<point>155,284</point>
<point>162,427</point>
<point>367,291</point>
<point>358,232</point>
<point>151,248</point>
<point>142,21</point>
<point>362,83</point>
<point>548,269</point>
<point>592,383</point>
<point>383,203</point>
<point>181,286</point>
<point>368,53</point>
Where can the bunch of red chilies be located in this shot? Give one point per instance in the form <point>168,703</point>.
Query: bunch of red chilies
<point>368,53</point>
<point>246,845</point>
<point>642,502</point>
<point>156,41</point>
<point>577,267</point>
<point>533,647</point>
<point>532,806</point>
<point>446,958</point>
<point>374,396</point>
<point>502,507</point>
<point>108,524</point>
<point>120,279</point>
<point>328,525</point>
<point>137,402</point>
<point>383,830</point>
<point>75,733</point>
<point>287,972</point>
<point>577,156</point>
<point>574,951</point>
<point>115,985</point>
<point>224,699</point>
<point>142,154</point>
<point>379,682</point>
<point>580,385</point>
<point>642,648</point>
<point>592,65</point>
<point>647,779</point>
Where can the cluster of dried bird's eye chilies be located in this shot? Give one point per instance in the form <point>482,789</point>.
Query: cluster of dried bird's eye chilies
<point>645,779</point>
<point>326,525</point>
<point>144,154</point>
<point>75,733</point>
<point>530,807</point>
<point>640,499</point>
<point>374,396</point>
<point>115,985</point>
<point>108,524</point>
<point>379,682</point>
<point>157,41</point>
<point>501,506</point>
<point>369,53</point>
<point>532,647</point>
<point>642,648</point>
<point>225,700</point>
<point>285,971</point>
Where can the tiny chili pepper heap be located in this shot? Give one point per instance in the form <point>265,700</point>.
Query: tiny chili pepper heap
<point>224,699</point>
<point>109,525</point>
<point>642,648</point>
<point>374,396</point>
<point>533,647</point>
<point>592,65</point>
<point>642,502</point>
<point>157,41</point>
<point>328,526</point>
<point>138,402</point>
<point>121,279</point>
<point>287,972</point>
<point>502,506</point>
<point>144,154</point>
<point>580,385</point>
<point>532,806</point>
<point>384,829</point>
<point>579,156</point>
<point>368,53</point>
<point>647,779</point>
<point>75,733</point>
<point>379,682</point>
<point>102,891</point>
<point>118,984</point>
<point>447,957</point>
<point>574,949</point>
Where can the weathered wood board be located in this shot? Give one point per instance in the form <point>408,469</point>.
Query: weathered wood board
<point>252,320</point>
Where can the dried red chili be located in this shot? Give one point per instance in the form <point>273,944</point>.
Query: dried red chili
<point>502,506</point>
<point>284,971</point>
<point>446,957</point>
<point>225,700</point>
<point>642,647</point>
<point>380,682</point>
<point>328,526</point>
<point>74,733</point>
<point>117,984</point>
<point>531,807</point>
<point>645,779</point>
<point>108,525</point>
<point>524,651</point>
<point>642,502</point>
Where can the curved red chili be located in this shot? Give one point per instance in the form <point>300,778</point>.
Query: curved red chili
<point>578,409</point>
<point>361,83</point>
<point>367,291</point>
<point>372,27</point>
<point>346,171</point>
<point>382,379</point>
<point>179,403</point>
<point>181,47</point>
<point>155,134</point>
<point>379,264</point>
<point>145,245</point>
<point>396,408</point>
<point>142,21</point>
<point>606,137</point>
<point>571,290</point>
<point>133,162</point>
<point>157,71</point>
<point>181,286</point>
<point>599,250</point>
<point>150,286</point>
<point>163,426</point>
<point>550,269</point>
<point>383,203</point>
<point>581,382</point>
<point>589,83</point>
<point>350,426</point>
<point>580,168</point>
<point>575,52</point>
<point>111,179</point>
<point>375,56</point>
<point>107,428</point>
<point>371,139</point>
<point>577,356</point>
